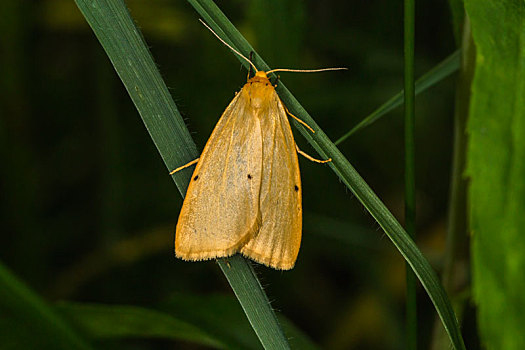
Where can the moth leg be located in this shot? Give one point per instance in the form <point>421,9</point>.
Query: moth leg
<point>276,82</point>
<point>299,120</point>
<point>184,166</point>
<point>228,263</point>
<point>250,69</point>
<point>310,157</point>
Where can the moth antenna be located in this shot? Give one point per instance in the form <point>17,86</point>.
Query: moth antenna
<point>228,45</point>
<point>305,70</point>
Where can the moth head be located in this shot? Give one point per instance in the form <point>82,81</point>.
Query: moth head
<point>258,81</point>
<point>261,74</point>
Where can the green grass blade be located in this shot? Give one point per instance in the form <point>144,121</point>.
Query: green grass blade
<point>250,293</point>
<point>99,321</point>
<point>200,319</point>
<point>125,47</point>
<point>213,312</point>
<point>410,164</point>
<point>26,321</point>
<point>348,175</point>
<point>442,70</point>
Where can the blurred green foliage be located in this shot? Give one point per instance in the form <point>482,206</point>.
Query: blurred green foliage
<point>496,166</point>
<point>88,211</point>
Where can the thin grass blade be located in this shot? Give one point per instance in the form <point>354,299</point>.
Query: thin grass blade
<point>100,321</point>
<point>250,293</point>
<point>442,70</point>
<point>27,321</point>
<point>410,165</point>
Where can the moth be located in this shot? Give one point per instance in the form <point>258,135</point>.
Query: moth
<point>245,192</point>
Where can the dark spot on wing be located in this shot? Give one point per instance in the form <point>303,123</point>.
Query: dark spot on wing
<point>296,188</point>
<point>196,177</point>
<point>249,177</point>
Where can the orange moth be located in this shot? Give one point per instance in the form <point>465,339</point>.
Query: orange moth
<point>245,192</point>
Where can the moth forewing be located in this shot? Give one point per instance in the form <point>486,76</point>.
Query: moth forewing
<point>220,210</point>
<point>277,242</point>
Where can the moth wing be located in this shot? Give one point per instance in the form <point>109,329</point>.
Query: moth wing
<point>277,242</point>
<point>221,208</point>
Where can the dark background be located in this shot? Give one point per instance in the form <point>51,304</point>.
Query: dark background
<point>88,210</point>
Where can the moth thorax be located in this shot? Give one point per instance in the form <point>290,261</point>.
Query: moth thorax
<point>259,90</point>
<point>259,95</point>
